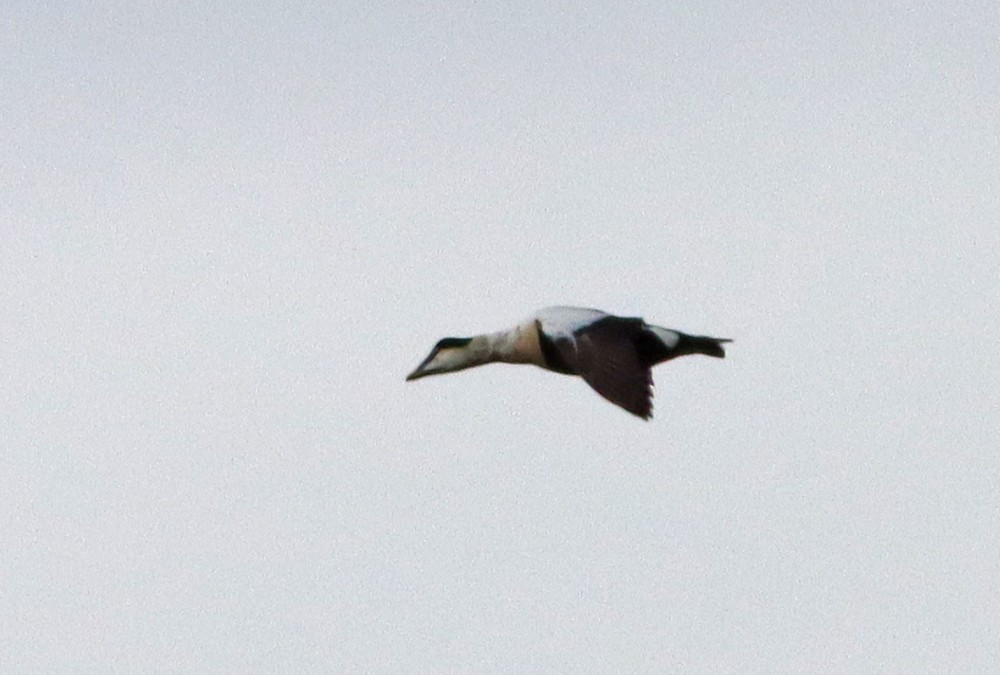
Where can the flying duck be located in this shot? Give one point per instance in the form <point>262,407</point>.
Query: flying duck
<point>612,354</point>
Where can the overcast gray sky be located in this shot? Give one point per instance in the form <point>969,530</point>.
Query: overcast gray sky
<point>230,230</point>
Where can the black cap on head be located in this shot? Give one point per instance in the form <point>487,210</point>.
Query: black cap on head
<point>451,342</point>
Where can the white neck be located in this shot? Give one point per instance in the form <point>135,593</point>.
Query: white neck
<point>517,345</point>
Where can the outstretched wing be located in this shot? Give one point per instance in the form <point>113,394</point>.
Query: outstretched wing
<point>605,356</point>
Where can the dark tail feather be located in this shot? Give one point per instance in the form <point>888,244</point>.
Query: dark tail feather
<point>702,344</point>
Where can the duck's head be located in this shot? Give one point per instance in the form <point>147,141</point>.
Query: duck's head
<point>449,354</point>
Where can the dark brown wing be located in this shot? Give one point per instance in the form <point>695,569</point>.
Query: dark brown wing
<point>605,357</point>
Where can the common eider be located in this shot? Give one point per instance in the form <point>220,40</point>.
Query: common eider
<point>612,354</point>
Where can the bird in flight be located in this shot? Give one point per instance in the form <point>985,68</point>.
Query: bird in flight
<point>612,354</point>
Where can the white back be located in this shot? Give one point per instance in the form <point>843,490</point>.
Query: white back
<point>564,321</point>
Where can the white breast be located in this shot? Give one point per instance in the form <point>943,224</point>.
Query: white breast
<point>559,322</point>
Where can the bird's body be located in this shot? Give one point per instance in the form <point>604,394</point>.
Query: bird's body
<point>612,354</point>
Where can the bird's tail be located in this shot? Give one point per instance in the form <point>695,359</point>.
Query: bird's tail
<point>702,344</point>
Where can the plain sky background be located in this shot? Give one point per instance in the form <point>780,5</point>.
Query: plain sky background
<point>230,229</point>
